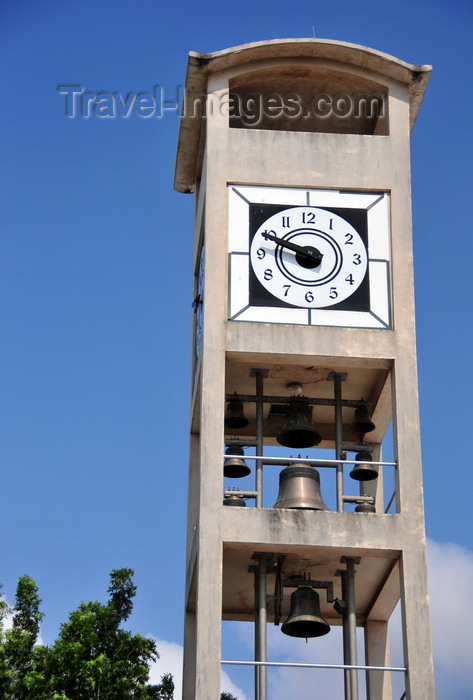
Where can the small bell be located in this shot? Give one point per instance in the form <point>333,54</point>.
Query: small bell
<point>364,471</point>
<point>299,431</point>
<point>234,499</point>
<point>234,416</point>
<point>365,508</point>
<point>304,618</point>
<point>235,467</point>
<point>362,422</point>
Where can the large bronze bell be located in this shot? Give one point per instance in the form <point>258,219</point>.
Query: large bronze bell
<point>304,618</point>
<point>234,416</point>
<point>298,430</point>
<point>235,467</point>
<point>365,471</point>
<point>299,487</point>
<point>362,422</point>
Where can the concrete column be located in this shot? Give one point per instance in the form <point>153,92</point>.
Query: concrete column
<point>416,623</point>
<point>204,646</point>
<point>188,669</point>
<point>378,683</point>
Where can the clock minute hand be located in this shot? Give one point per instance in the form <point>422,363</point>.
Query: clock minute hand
<point>307,252</point>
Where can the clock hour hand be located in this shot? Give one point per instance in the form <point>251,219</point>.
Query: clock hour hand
<point>306,256</point>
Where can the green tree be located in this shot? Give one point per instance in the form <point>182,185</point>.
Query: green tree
<point>166,688</point>
<point>4,674</point>
<point>17,653</point>
<point>93,657</point>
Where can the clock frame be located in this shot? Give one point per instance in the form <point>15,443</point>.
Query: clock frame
<point>296,294</point>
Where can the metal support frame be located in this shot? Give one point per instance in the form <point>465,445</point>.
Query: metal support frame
<point>261,602</point>
<point>346,606</point>
<point>259,374</point>
<point>348,609</point>
<point>252,398</point>
<point>296,664</point>
<point>340,448</point>
<point>337,379</point>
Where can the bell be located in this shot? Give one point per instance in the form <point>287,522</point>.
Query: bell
<point>299,431</point>
<point>364,471</point>
<point>365,508</point>
<point>235,467</point>
<point>304,618</point>
<point>234,416</point>
<point>234,499</point>
<point>299,487</point>
<point>362,422</point>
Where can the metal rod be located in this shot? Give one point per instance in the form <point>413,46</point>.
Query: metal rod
<point>358,499</point>
<point>242,494</point>
<point>257,668</point>
<point>358,667</point>
<point>248,398</point>
<point>240,442</point>
<point>254,494</point>
<point>337,388</point>
<point>351,624</point>
<point>346,650</point>
<point>321,585</point>
<point>390,502</point>
<point>262,626</point>
<point>318,462</point>
<point>350,447</point>
<point>259,377</point>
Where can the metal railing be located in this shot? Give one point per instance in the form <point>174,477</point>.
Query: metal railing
<point>320,463</point>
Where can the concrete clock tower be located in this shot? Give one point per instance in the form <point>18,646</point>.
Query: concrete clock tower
<point>304,361</point>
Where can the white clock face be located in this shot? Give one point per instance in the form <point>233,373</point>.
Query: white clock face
<point>308,257</point>
<point>314,257</point>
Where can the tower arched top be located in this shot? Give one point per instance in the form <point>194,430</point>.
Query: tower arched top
<point>203,64</point>
<point>303,60</point>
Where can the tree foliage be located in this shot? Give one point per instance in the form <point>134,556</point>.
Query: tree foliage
<point>16,656</point>
<point>93,658</point>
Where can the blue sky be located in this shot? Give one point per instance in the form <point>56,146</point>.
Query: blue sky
<point>96,291</point>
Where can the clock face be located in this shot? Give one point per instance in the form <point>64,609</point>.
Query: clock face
<point>316,257</point>
<point>308,257</point>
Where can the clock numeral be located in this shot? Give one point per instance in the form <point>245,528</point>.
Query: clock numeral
<point>308,217</point>
<point>350,279</point>
<point>287,288</point>
<point>356,259</point>
<point>261,253</point>
<point>349,239</point>
<point>268,274</point>
<point>333,293</point>
<point>309,297</point>
<point>285,222</point>
<point>331,225</point>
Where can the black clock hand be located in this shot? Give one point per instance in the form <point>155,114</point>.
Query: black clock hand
<point>306,256</point>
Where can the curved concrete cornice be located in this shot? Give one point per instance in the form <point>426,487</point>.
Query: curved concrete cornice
<point>201,66</point>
